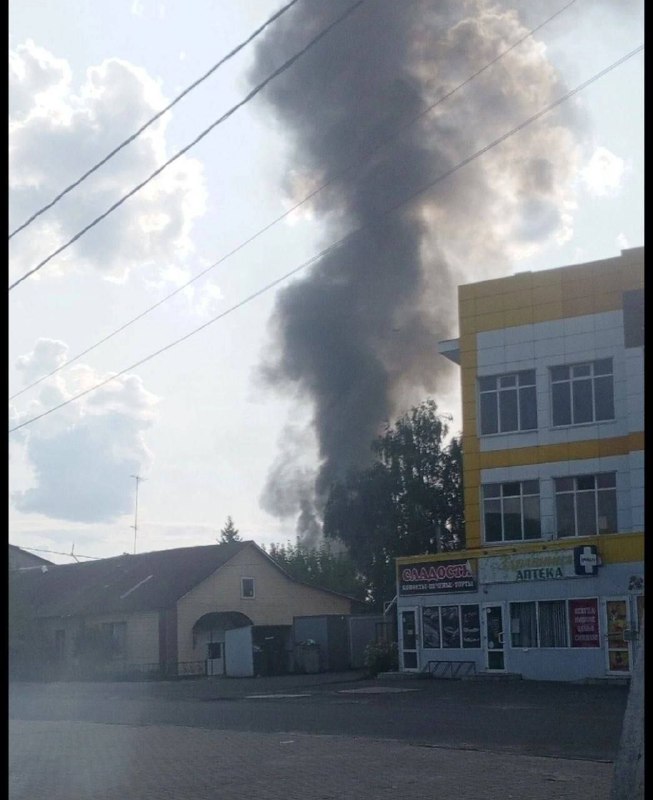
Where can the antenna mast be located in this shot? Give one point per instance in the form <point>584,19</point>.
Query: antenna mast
<point>138,480</point>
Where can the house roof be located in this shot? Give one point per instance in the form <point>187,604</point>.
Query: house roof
<point>22,559</point>
<point>142,582</point>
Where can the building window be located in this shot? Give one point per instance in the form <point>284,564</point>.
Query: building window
<point>247,587</point>
<point>214,650</point>
<point>555,623</point>
<point>508,402</point>
<point>431,626</point>
<point>582,392</point>
<point>451,627</point>
<point>511,511</point>
<point>552,623</point>
<point>523,624</point>
<point>586,504</point>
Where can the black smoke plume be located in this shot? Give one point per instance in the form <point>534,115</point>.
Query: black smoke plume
<point>358,335</point>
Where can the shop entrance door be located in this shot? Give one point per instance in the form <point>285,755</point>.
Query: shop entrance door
<point>618,649</point>
<point>215,658</point>
<point>493,637</point>
<point>408,638</point>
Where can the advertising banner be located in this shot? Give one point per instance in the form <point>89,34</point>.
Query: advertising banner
<point>547,565</point>
<point>428,577</point>
<point>584,623</point>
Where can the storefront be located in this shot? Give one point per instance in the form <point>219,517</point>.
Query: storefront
<point>556,613</point>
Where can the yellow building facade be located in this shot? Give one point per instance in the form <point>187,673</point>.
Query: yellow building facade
<point>551,582</point>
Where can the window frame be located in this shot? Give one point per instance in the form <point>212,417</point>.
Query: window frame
<point>497,391</point>
<point>596,491</point>
<point>461,639</point>
<point>501,497</point>
<point>243,595</point>
<point>567,624</point>
<point>571,381</point>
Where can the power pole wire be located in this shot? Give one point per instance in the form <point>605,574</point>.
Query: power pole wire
<point>286,65</point>
<point>58,553</point>
<point>308,197</point>
<point>344,239</point>
<point>131,138</point>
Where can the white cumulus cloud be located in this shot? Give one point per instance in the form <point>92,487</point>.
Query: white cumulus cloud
<point>58,131</point>
<point>604,172</point>
<point>82,456</point>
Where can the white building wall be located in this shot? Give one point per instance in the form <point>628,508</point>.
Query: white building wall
<point>548,344</point>
<point>621,465</point>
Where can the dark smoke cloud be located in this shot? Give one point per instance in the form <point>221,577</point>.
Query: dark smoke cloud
<point>358,335</point>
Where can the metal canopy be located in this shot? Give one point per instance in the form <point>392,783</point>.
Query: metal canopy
<point>222,620</point>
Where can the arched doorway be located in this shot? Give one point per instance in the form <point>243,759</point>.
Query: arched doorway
<point>225,639</point>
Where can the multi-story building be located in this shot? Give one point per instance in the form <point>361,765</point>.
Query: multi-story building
<point>550,584</point>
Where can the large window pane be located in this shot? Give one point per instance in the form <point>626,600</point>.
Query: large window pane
<point>553,623</point>
<point>527,409</point>
<point>586,513</point>
<point>604,397</point>
<point>565,517</point>
<point>450,626</point>
<point>582,401</point>
<point>532,526</point>
<point>512,518</point>
<point>489,413</point>
<point>493,531</point>
<point>561,397</point>
<point>523,624</point>
<point>431,626</point>
<point>508,410</point>
<point>607,522</point>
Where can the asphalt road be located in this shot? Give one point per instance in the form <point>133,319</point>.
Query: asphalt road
<point>513,717</point>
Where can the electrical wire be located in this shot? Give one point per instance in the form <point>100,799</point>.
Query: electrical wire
<point>345,238</point>
<point>308,197</point>
<point>286,65</point>
<point>57,553</point>
<point>153,119</point>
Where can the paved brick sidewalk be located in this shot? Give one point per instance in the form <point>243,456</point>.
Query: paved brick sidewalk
<point>89,761</point>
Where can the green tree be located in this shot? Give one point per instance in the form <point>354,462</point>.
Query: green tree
<point>320,566</point>
<point>229,533</point>
<point>408,502</point>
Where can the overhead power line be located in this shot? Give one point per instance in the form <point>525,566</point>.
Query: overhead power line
<point>406,124</point>
<point>153,119</point>
<point>58,553</point>
<point>286,65</point>
<point>425,187</point>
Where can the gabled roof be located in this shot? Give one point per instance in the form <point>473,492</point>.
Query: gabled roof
<point>22,559</point>
<point>142,582</point>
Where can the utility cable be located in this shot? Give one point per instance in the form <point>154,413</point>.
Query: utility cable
<point>286,65</point>
<point>58,553</point>
<point>345,238</point>
<point>308,197</point>
<point>159,114</point>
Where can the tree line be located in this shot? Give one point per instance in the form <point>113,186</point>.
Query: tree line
<point>407,501</point>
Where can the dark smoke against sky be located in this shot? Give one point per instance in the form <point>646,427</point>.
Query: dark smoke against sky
<point>357,337</point>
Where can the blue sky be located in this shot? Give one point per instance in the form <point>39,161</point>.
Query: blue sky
<point>200,423</point>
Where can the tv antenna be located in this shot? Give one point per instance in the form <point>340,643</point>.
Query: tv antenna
<point>138,480</point>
